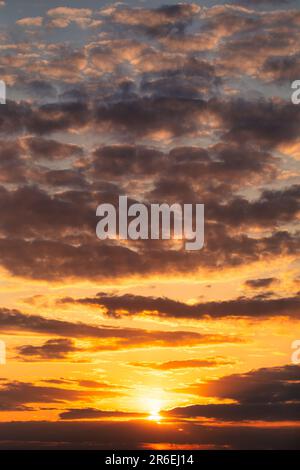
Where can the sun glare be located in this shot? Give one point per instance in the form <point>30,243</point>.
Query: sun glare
<point>154,410</point>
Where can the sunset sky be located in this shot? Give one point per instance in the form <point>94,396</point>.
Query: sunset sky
<point>142,344</point>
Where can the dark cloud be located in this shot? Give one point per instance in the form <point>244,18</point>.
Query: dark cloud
<point>13,117</point>
<point>13,167</point>
<point>199,172</point>
<point>261,283</point>
<point>112,338</point>
<point>65,178</point>
<point>144,116</point>
<point>59,116</point>
<point>157,21</point>
<point>124,160</point>
<point>17,395</point>
<point>58,348</point>
<point>42,214</point>
<point>267,123</point>
<point>35,213</point>
<point>130,304</point>
<point>272,385</point>
<point>273,207</point>
<point>41,89</point>
<point>282,67</point>
<point>92,413</point>
<point>240,412</point>
<point>225,20</point>
<point>273,33</point>
<point>267,394</point>
<point>188,77</point>
<point>78,256</point>
<point>51,149</point>
<point>140,434</point>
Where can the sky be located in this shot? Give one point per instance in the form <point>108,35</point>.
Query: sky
<point>122,344</point>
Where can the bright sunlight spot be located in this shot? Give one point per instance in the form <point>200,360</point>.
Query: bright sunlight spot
<point>154,410</point>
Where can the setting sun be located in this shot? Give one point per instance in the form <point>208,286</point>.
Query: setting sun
<point>155,407</point>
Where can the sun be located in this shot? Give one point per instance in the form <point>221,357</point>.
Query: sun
<point>154,410</point>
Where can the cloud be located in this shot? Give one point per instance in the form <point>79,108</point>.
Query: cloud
<point>262,386</point>
<point>266,394</point>
<point>261,283</point>
<point>264,121</point>
<point>185,364</point>
<point>92,413</point>
<point>240,164</point>
<point>130,304</point>
<point>13,167</point>
<point>69,12</point>
<point>146,116</point>
<point>240,412</point>
<point>141,434</point>
<point>47,118</point>
<point>280,43</point>
<point>156,21</point>
<point>58,259</point>
<point>34,21</point>
<point>62,17</point>
<point>281,68</point>
<point>17,395</point>
<point>51,149</point>
<point>123,160</point>
<point>66,258</point>
<point>274,207</point>
<point>113,338</point>
<point>52,349</point>
<point>108,56</point>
